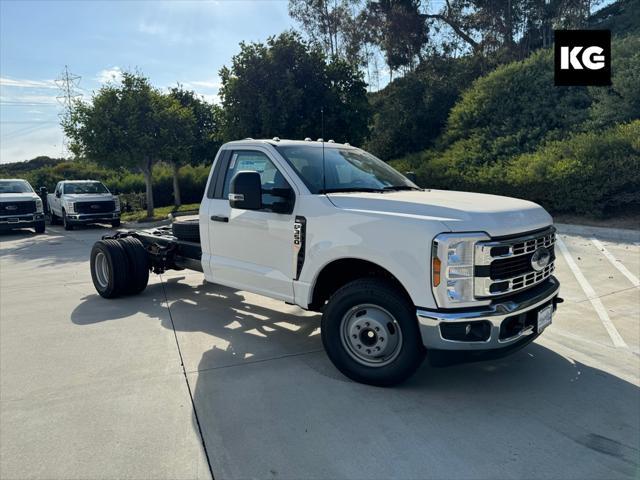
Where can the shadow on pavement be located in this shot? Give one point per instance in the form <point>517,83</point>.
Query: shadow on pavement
<point>531,415</point>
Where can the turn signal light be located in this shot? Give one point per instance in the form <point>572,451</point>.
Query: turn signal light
<point>435,264</point>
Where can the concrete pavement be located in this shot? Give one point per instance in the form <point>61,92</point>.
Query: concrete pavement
<point>92,388</point>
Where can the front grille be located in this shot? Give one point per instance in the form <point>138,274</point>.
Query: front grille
<point>102,206</point>
<point>514,266</point>
<point>505,266</point>
<point>17,208</point>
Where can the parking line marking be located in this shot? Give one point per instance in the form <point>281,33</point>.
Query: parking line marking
<point>616,263</point>
<point>592,296</point>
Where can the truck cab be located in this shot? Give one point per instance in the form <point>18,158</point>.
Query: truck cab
<point>76,202</point>
<point>20,206</point>
<point>396,270</point>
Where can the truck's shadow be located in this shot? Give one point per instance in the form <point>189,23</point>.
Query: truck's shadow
<point>498,410</point>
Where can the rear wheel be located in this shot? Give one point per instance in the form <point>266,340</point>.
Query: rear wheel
<point>109,268</point>
<point>138,265</point>
<point>370,333</point>
<point>39,227</point>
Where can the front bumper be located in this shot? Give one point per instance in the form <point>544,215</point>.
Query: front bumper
<point>92,217</point>
<point>20,221</point>
<point>501,325</point>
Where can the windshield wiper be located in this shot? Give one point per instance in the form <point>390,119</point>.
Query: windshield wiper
<point>351,189</point>
<point>397,188</point>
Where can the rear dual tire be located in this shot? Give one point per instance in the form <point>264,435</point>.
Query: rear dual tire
<point>119,267</point>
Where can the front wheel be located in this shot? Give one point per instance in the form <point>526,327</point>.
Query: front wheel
<point>115,223</point>
<point>65,221</point>
<point>370,333</point>
<point>39,227</point>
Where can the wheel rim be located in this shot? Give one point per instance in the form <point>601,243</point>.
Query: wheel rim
<point>371,335</point>
<point>101,269</point>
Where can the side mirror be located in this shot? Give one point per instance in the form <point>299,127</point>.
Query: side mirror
<point>58,194</point>
<point>246,191</point>
<point>411,176</point>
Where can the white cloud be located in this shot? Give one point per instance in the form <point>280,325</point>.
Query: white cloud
<point>113,74</point>
<point>31,142</point>
<point>24,83</point>
<point>29,99</point>
<point>152,28</point>
<point>214,85</point>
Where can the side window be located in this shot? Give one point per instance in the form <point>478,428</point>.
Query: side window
<point>256,162</point>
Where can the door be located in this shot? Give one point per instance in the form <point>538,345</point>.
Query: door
<point>55,203</point>
<point>252,249</point>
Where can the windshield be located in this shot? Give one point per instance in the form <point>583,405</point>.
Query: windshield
<point>15,186</point>
<point>346,169</point>
<point>85,188</point>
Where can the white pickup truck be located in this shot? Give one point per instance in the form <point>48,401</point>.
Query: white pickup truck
<point>397,271</point>
<point>20,206</point>
<point>77,202</point>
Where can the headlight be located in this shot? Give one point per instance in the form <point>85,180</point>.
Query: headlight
<point>39,208</point>
<point>117,203</point>
<point>452,268</point>
<point>71,207</point>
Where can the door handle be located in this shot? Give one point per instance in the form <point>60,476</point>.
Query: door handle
<point>217,218</point>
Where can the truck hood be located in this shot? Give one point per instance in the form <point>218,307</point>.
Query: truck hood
<point>459,211</point>
<point>17,197</point>
<point>84,197</point>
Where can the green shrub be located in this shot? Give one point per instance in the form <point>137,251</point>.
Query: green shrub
<point>589,173</point>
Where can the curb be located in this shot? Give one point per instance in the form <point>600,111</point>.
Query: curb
<point>619,234</point>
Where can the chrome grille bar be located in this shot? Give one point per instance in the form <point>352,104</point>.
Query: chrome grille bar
<point>488,252</point>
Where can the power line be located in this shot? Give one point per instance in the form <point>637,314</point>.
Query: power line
<point>68,83</point>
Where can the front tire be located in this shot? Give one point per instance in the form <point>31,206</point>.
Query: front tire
<point>370,333</point>
<point>115,223</point>
<point>65,221</point>
<point>39,227</point>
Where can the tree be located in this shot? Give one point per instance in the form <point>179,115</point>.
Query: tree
<point>281,89</point>
<point>324,22</point>
<point>204,133</point>
<point>400,31</point>
<point>128,124</point>
<point>176,132</point>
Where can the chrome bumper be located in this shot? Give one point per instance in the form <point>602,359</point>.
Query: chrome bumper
<point>491,317</point>
<point>17,221</point>
<point>92,217</point>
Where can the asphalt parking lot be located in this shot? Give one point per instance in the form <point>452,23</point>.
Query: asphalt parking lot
<point>191,378</point>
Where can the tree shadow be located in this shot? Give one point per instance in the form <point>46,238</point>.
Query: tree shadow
<point>269,402</point>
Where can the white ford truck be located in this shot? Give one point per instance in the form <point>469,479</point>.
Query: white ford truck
<point>397,271</point>
<point>20,206</point>
<point>77,202</point>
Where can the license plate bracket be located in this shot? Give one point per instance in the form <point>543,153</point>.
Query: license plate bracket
<point>545,317</point>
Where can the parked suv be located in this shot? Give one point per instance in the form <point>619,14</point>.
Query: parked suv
<point>83,201</point>
<point>20,206</point>
<point>397,271</point>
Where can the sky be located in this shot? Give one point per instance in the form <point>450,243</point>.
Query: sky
<point>170,42</point>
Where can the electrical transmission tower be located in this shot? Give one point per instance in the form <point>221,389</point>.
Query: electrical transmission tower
<point>68,83</point>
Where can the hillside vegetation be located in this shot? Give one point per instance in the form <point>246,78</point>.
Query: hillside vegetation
<point>572,149</point>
